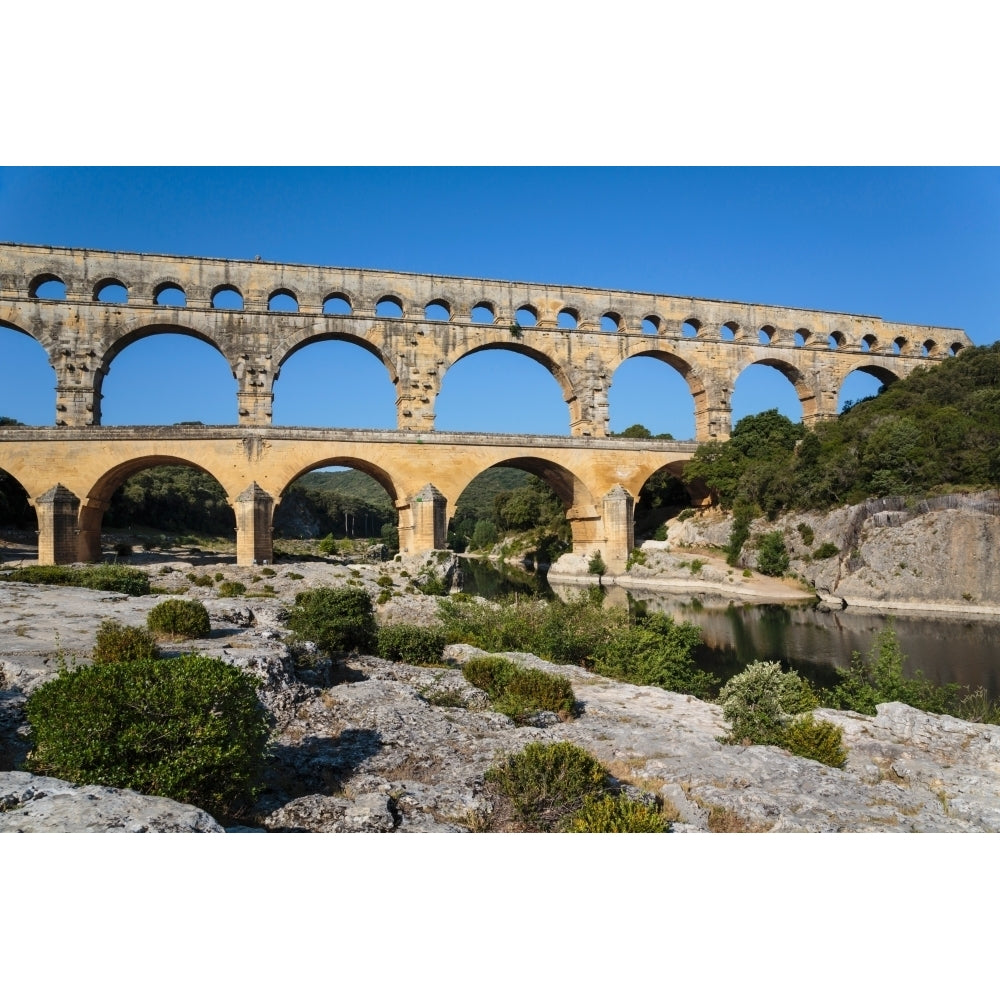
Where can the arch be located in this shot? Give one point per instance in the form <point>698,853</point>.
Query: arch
<point>611,322</point>
<point>363,397</point>
<point>283,351</point>
<point>27,392</point>
<point>759,391</point>
<point>169,293</point>
<point>927,348</point>
<point>514,376</point>
<point>643,390</point>
<point>765,335</point>
<point>836,340</point>
<point>226,297</point>
<point>801,337</point>
<point>729,331</point>
<point>111,290</point>
<point>381,476</point>
<point>483,312</point>
<point>690,327</point>
<point>438,310</point>
<point>900,345</point>
<point>660,496</point>
<point>46,286</point>
<point>337,304</point>
<point>955,348</point>
<point>200,385</point>
<point>868,343</point>
<point>526,315</point>
<point>651,325</point>
<point>568,319</point>
<point>282,300</point>
<point>16,512</point>
<point>389,307</point>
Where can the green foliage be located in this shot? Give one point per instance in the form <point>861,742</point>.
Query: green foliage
<point>327,546</point>
<point>410,643</point>
<point>337,619</point>
<point>190,728</point>
<point>177,618</point>
<point>818,740</point>
<point>616,814</point>
<point>233,588</point>
<point>738,533</point>
<point>656,651</point>
<point>759,701</point>
<point>540,788</point>
<point>384,580</point>
<point>431,584</point>
<point>204,580</point>
<point>686,514</point>
<point>806,533</point>
<point>869,682</point>
<point>520,692</point>
<point>635,558</point>
<point>121,579</point>
<point>826,551</point>
<point>484,535</point>
<point>772,556</point>
<point>596,565</point>
<point>118,643</point>
<point>697,565</point>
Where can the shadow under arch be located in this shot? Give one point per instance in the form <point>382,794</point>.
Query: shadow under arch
<point>18,520</point>
<point>662,495</point>
<point>94,505</point>
<point>145,332</point>
<point>560,375</point>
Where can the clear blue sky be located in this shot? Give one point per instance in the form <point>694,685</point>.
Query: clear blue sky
<point>913,245</point>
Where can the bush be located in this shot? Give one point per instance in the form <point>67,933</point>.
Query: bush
<point>327,546</point>
<point>337,619</point>
<point>818,740</point>
<point>232,588</point>
<point>177,618</point>
<point>200,581</point>
<point>384,580</point>
<point>190,728</point>
<point>121,579</point>
<point>410,643</point>
<point>772,555</point>
<point>538,789</point>
<point>123,643</point>
<point>757,702</point>
<point>826,551</point>
<point>520,692</point>
<point>806,533</point>
<point>616,814</point>
<point>596,565</point>
<point>431,584</point>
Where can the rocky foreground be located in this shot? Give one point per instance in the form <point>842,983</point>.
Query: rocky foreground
<point>373,746</point>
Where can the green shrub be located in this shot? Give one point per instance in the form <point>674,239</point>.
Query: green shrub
<point>616,814</point>
<point>121,579</point>
<point>759,701</point>
<point>123,550</point>
<point>190,728</point>
<point>294,576</point>
<point>806,533</point>
<point>819,740</point>
<point>685,514</point>
<point>232,588</point>
<point>410,643</point>
<point>772,555</point>
<point>656,651</point>
<point>118,643</point>
<point>384,597</point>
<point>739,532</point>
<point>327,546</point>
<point>597,565</point>
<point>826,551</point>
<point>697,565</point>
<point>177,618</point>
<point>538,789</point>
<point>432,584</point>
<point>384,580</point>
<point>268,571</point>
<point>520,692</point>
<point>660,535</point>
<point>200,581</point>
<point>635,558</point>
<point>337,619</point>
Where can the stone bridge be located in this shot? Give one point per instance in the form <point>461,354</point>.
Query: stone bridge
<point>85,306</point>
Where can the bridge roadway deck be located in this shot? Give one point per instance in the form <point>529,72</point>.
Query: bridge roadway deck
<point>597,479</point>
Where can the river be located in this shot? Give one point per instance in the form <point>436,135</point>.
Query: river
<point>811,641</point>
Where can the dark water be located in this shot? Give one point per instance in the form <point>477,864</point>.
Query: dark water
<point>813,642</point>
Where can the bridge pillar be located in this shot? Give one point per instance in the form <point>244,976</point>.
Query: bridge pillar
<point>619,528</point>
<point>416,394</point>
<point>428,522</point>
<point>57,511</point>
<point>254,508</point>
<point>821,406</point>
<point>78,396</point>
<point>255,396</point>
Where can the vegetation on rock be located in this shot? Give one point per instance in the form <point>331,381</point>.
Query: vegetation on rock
<point>179,619</point>
<point>338,619</point>
<point>121,579</point>
<point>520,692</point>
<point>410,643</point>
<point>117,643</point>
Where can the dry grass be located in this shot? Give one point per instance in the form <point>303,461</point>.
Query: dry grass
<point>724,820</point>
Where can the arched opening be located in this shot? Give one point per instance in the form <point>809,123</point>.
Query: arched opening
<point>524,502</point>
<point>729,330</point>
<point>438,311</point>
<point>227,297</point>
<point>502,390</point>
<point>337,304</point>
<point>334,383</point>
<point>927,348</point>
<point>27,389</point>
<point>389,307</point>
<point>526,316</point>
<point>955,348</point>
<point>690,328</point>
<point>861,384</point>
<point>170,294</point>
<point>567,319</point>
<point>662,497</point>
<point>899,345</point>
<point>483,312</point>
<point>650,393</point>
<point>611,322</point>
<point>868,343</point>
<point>801,338</point>
<point>651,325</point>
<point>167,376</point>
<point>111,290</point>
<point>836,340</point>
<point>160,509</point>
<point>350,506</point>
<point>18,522</point>
<point>282,300</point>
<point>766,385</point>
<point>47,286</point>
<point>765,335</point>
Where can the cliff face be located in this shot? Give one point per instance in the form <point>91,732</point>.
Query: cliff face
<point>943,553</point>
